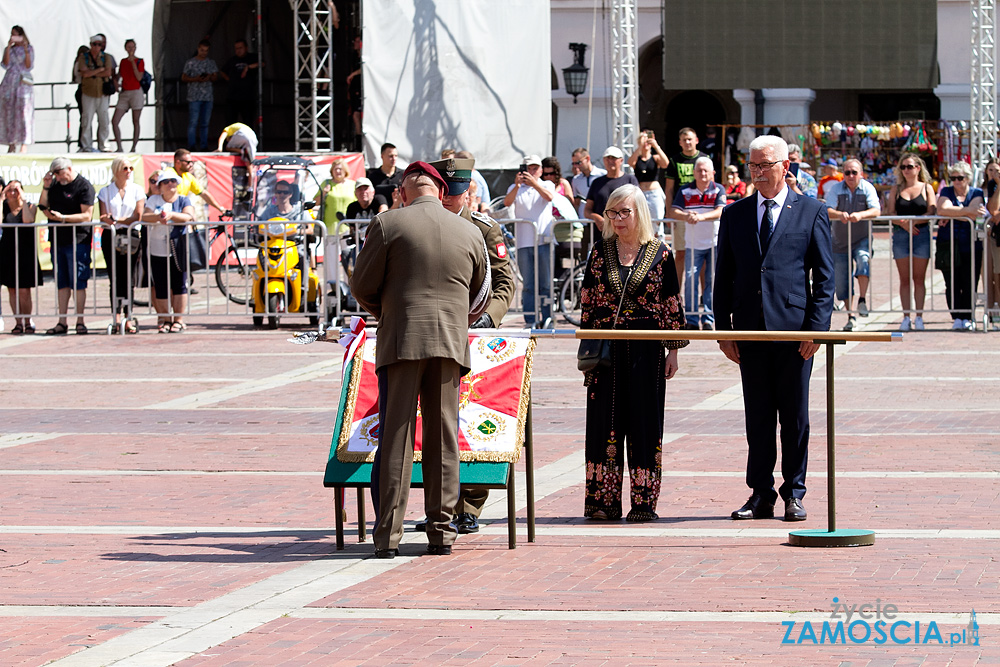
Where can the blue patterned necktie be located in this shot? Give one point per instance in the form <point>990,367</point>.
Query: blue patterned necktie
<point>767,224</point>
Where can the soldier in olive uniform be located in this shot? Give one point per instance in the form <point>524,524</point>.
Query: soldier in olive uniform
<point>457,173</point>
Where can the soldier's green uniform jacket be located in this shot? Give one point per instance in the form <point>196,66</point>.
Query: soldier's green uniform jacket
<point>501,272</point>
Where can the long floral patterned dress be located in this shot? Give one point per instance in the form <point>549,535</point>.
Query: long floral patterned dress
<point>625,402</point>
<point>17,100</point>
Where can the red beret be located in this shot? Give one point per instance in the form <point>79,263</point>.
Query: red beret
<point>418,167</point>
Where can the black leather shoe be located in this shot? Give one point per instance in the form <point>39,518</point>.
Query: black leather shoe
<point>386,553</point>
<point>755,508</point>
<point>794,510</point>
<point>439,549</point>
<point>420,526</point>
<point>465,523</point>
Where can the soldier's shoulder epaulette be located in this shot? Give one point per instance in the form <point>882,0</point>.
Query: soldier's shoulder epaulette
<point>483,218</point>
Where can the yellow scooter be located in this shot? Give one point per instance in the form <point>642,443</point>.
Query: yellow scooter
<point>283,280</point>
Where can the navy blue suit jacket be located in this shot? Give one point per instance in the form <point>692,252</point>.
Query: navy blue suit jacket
<point>791,284</point>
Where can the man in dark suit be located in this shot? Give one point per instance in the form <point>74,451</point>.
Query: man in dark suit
<point>774,273</point>
<point>424,273</point>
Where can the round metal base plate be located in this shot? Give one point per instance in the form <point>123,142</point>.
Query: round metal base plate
<point>835,538</point>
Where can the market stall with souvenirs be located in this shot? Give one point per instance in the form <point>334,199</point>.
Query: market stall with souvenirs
<point>878,145</point>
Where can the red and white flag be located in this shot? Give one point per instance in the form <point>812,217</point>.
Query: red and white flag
<point>493,401</point>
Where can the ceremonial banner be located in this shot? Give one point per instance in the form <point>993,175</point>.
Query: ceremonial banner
<point>493,402</point>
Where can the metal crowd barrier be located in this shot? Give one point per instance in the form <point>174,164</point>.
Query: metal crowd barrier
<point>232,281</point>
<point>41,297</point>
<point>971,270</point>
<point>566,258</point>
<point>991,277</point>
<point>960,264</point>
<point>67,110</point>
<point>222,288</point>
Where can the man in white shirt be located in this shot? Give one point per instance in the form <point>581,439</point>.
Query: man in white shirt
<point>531,198</point>
<point>582,180</point>
<point>698,205</point>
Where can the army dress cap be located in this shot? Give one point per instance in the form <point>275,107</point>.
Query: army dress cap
<point>457,173</point>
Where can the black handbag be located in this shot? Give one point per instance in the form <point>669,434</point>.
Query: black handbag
<point>189,250</point>
<point>942,255</point>
<point>108,88</point>
<point>595,353</point>
<point>127,241</point>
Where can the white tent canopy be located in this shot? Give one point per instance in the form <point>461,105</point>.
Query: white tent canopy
<point>56,28</point>
<point>463,74</point>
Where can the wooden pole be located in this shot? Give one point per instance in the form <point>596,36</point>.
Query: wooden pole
<point>769,336</point>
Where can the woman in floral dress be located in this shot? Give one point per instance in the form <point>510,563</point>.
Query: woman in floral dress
<point>17,92</point>
<point>625,402</point>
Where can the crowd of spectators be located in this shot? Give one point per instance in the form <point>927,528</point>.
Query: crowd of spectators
<point>539,190</point>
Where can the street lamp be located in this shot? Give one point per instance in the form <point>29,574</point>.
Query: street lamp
<point>575,76</point>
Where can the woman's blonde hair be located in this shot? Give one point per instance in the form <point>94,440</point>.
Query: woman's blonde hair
<point>923,175</point>
<point>640,209</point>
<point>343,163</point>
<point>119,162</point>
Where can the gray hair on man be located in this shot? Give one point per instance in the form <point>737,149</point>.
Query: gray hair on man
<point>704,160</point>
<point>794,149</point>
<point>779,145</point>
<point>60,163</point>
<point>861,167</point>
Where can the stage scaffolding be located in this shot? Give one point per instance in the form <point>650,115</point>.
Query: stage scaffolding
<point>313,69</point>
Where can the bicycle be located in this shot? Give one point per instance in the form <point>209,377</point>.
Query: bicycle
<point>232,271</point>
<point>566,287</point>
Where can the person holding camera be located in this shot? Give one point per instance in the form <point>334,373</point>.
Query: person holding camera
<point>17,92</point>
<point>646,161</point>
<point>531,198</point>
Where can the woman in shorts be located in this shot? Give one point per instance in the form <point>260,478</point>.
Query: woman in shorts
<point>169,277</point>
<point>913,194</point>
<point>131,95</point>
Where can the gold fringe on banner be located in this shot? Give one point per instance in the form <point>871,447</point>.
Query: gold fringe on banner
<point>344,455</point>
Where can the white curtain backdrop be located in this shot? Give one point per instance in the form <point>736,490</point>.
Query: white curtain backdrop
<point>56,28</point>
<point>463,74</point>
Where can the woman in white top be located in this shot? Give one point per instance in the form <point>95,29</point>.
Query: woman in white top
<point>169,279</point>
<point>121,203</point>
